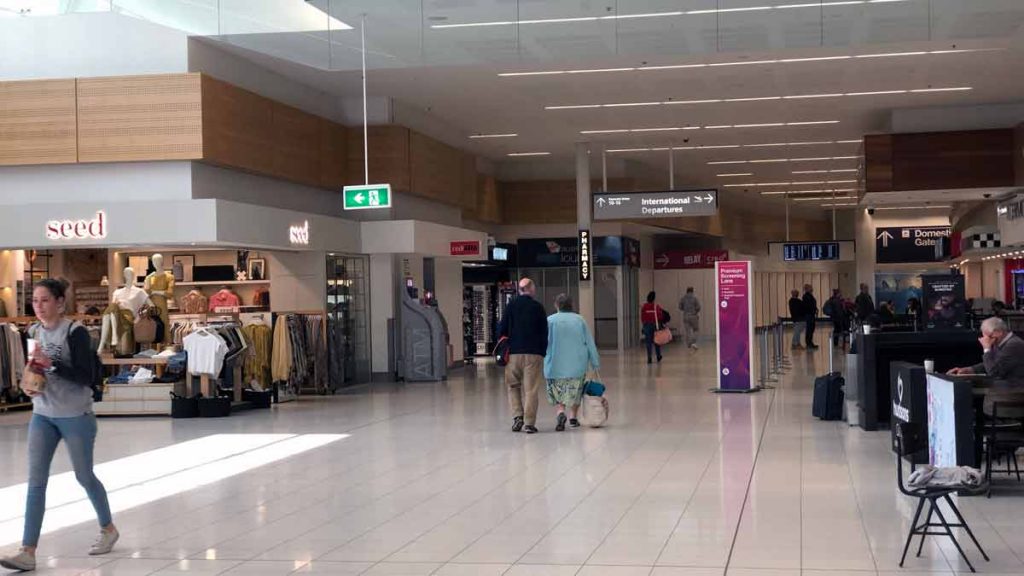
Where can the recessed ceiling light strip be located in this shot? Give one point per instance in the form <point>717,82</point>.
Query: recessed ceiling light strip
<point>716,147</point>
<point>735,175</point>
<point>716,127</point>
<point>748,63</point>
<point>478,136</point>
<point>776,160</point>
<point>796,192</point>
<point>529,153</point>
<point>676,14</point>
<point>756,99</point>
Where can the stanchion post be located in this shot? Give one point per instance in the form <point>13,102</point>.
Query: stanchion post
<point>766,347</point>
<point>764,357</point>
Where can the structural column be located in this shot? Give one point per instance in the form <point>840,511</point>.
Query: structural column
<point>584,221</point>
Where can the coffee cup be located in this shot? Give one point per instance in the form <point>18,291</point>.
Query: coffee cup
<point>867,329</point>
<point>929,366</point>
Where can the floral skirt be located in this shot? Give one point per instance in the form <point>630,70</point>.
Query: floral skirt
<point>567,391</point>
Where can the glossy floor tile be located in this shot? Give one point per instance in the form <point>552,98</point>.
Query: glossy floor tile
<point>427,479</point>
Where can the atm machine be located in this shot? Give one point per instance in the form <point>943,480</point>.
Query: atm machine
<point>424,340</point>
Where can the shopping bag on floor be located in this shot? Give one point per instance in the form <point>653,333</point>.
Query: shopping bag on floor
<point>594,405</point>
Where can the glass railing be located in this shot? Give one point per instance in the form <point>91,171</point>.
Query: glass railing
<point>400,33</point>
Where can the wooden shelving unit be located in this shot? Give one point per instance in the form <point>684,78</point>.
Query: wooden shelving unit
<point>223,283</point>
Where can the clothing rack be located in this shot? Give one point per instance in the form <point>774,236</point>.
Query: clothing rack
<point>12,363</point>
<point>308,370</point>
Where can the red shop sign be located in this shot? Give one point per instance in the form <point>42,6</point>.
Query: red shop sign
<point>467,248</point>
<point>688,259</point>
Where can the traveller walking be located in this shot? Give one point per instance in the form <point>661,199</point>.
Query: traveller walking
<point>836,310</point>
<point>810,314</point>
<point>796,314</point>
<point>525,324</point>
<point>62,410</point>
<point>690,307</point>
<point>571,351</point>
<point>864,305</point>
<point>653,318</point>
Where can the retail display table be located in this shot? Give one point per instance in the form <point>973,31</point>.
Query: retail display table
<point>152,399</point>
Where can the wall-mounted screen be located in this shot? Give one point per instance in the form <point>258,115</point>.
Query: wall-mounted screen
<point>810,251</point>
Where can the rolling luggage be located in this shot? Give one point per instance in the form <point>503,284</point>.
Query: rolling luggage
<point>828,397</point>
<point>828,393</point>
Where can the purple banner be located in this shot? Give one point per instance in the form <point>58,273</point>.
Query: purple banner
<point>735,325</point>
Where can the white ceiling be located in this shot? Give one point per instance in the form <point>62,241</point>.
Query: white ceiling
<point>452,74</point>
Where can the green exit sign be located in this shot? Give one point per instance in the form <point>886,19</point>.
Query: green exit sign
<point>367,197</point>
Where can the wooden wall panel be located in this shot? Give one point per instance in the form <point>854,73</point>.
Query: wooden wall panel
<point>389,157</point>
<point>939,160</point>
<point>131,118</point>
<point>489,201</point>
<point>37,122</point>
<point>237,127</point>
<point>437,169</point>
<point>333,155</point>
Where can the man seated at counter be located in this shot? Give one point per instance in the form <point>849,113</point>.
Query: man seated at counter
<point>1004,353</point>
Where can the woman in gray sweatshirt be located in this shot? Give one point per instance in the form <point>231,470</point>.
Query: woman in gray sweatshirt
<point>62,410</point>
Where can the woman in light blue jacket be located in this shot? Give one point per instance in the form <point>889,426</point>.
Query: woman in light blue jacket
<point>571,351</point>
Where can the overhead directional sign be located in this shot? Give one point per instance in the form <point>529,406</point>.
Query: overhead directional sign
<point>909,244</point>
<point>367,197</point>
<point>668,204</point>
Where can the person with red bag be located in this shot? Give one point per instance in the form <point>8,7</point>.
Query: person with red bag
<point>654,318</point>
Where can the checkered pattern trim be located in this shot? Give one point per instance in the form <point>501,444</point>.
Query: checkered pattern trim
<point>989,240</point>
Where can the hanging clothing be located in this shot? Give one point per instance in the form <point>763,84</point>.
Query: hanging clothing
<point>261,298</point>
<point>257,365</point>
<point>281,360</point>
<point>12,360</point>
<point>194,303</point>
<point>224,298</point>
<point>206,352</point>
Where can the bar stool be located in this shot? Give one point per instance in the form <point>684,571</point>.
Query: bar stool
<point>933,495</point>
<point>1003,436</point>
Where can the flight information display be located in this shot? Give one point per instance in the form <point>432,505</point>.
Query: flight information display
<point>810,251</point>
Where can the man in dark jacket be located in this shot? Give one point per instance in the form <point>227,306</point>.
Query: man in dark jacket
<point>810,314</point>
<point>796,313</point>
<point>526,325</point>
<point>864,305</point>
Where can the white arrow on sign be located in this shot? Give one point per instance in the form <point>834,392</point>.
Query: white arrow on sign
<point>600,202</point>
<point>359,198</point>
<point>663,260</point>
<point>885,237</point>
<point>710,198</point>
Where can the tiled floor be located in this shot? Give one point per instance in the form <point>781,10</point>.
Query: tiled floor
<point>430,481</point>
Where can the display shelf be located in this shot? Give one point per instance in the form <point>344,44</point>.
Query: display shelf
<point>223,283</point>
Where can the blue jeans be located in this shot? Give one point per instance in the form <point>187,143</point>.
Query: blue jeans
<point>44,433</point>
<point>649,330</point>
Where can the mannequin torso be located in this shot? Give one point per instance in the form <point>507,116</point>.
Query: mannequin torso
<point>130,298</point>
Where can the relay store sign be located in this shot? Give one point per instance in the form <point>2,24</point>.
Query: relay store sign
<point>688,259</point>
<point>367,197</point>
<point>467,248</point>
<point>94,229</point>
<point>671,204</point>
<point>908,244</point>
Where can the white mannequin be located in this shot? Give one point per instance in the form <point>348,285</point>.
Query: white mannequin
<point>129,297</point>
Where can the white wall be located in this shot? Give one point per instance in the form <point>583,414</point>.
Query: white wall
<point>298,280</point>
<point>111,182</point>
<point>941,118</point>
<point>448,290</point>
<point>205,56</point>
<point>992,279</point>
<point>88,45</point>
<point>213,182</point>
<point>382,309</point>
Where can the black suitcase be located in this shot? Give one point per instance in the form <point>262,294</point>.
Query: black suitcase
<point>828,397</point>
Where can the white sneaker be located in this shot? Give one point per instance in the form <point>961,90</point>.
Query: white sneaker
<point>694,346</point>
<point>22,561</point>
<point>104,542</point>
